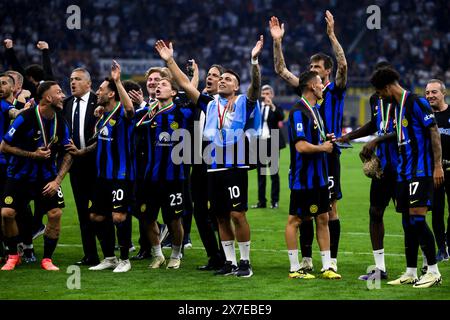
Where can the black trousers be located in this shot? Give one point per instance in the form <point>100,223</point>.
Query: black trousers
<point>206,222</point>
<point>275,178</point>
<point>438,215</point>
<point>82,180</point>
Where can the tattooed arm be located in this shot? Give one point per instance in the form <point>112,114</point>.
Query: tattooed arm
<point>277,32</point>
<point>438,173</point>
<point>53,186</point>
<point>341,73</point>
<point>254,90</point>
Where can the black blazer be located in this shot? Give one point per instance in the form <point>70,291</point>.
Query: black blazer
<point>85,164</point>
<point>273,119</point>
<point>89,120</point>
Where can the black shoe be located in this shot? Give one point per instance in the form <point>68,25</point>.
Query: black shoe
<point>28,256</point>
<point>213,264</point>
<point>88,261</point>
<point>244,269</point>
<point>227,270</point>
<point>141,255</point>
<point>259,206</point>
<point>274,205</point>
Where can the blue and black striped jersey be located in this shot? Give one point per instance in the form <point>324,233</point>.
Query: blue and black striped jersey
<point>116,159</point>
<point>160,164</point>
<point>413,136</point>
<point>307,171</point>
<point>332,108</point>
<point>382,121</point>
<point>5,122</point>
<point>26,134</point>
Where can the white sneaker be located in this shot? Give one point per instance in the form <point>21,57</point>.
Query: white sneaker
<point>123,266</point>
<point>174,263</point>
<point>334,265</point>
<point>405,278</point>
<point>306,265</point>
<point>429,279</point>
<point>107,263</point>
<point>157,262</point>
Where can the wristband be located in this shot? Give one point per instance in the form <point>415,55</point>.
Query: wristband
<point>255,61</point>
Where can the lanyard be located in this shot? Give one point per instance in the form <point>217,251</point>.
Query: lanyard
<point>222,116</point>
<point>47,144</point>
<point>316,120</point>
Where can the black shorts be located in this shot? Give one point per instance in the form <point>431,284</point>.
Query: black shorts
<point>17,195</point>
<point>112,196</point>
<point>334,175</point>
<point>415,193</point>
<point>309,202</point>
<point>165,195</point>
<point>228,191</point>
<point>383,190</point>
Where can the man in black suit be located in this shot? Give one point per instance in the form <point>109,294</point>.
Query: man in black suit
<point>79,114</point>
<point>271,116</point>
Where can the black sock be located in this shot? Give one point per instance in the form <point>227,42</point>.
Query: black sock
<point>124,239</point>
<point>425,237</point>
<point>411,242</point>
<point>105,235</point>
<point>49,247</point>
<point>335,234</point>
<point>306,238</point>
<point>11,243</point>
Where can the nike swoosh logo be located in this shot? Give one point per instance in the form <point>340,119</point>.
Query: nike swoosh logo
<point>177,212</point>
<point>412,202</point>
<point>404,281</point>
<point>235,205</point>
<point>315,127</point>
<point>115,207</point>
<point>60,202</point>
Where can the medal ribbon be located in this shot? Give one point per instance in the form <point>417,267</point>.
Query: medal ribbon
<point>385,117</point>
<point>150,111</point>
<point>319,123</point>
<point>47,144</point>
<point>97,130</point>
<point>400,117</point>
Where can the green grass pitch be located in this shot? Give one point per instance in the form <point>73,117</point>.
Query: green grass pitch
<point>268,256</point>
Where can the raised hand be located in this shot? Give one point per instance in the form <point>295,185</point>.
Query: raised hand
<point>330,22</point>
<point>164,52</point>
<point>136,96</point>
<point>276,30</point>
<point>41,45</point>
<point>115,71</point>
<point>258,47</point>
<point>8,43</point>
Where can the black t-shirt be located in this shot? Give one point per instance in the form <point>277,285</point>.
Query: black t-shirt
<point>443,122</point>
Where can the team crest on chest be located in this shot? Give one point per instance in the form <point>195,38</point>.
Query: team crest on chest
<point>112,122</point>
<point>174,125</point>
<point>405,123</point>
<point>313,208</point>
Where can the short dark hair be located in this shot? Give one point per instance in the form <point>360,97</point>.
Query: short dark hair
<point>234,74</point>
<point>382,64</point>
<point>131,85</point>
<point>10,78</point>
<point>44,87</point>
<point>383,77</point>
<point>35,71</point>
<point>327,61</point>
<point>304,79</point>
<point>172,82</point>
<point>112,86</point>
<point>218,67</point>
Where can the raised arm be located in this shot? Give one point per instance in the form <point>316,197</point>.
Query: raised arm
<point>195,76</point>
<point>341,73</point>
<point>166,53</point>
<point>277,32</point>
<point>46,62</point>
<point>254,90</point>
<point>124,97</point>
